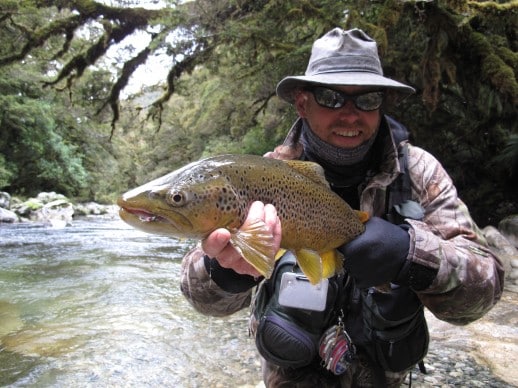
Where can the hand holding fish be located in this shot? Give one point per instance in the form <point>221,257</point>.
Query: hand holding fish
<point>217,244</point>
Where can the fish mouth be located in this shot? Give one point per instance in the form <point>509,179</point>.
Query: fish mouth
<point>143,215</point>
<point>173,224</point>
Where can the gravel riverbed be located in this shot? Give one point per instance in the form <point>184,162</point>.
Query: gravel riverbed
<point>448,367</point>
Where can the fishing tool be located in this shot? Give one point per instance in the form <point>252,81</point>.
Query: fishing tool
<point>336,349</point>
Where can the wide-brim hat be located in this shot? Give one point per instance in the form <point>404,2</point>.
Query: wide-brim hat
<point>342,58</point>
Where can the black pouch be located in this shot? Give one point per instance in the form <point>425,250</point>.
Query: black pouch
<point>285,336</point>
<point>285,343</point>
<point>395,326</point>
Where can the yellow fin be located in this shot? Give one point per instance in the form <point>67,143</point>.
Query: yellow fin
<point>332,263</point>
<point>280,253</point>
<point>363,216</point>
<point>255,243</point>
<point>313,171</point>
<point>310,263</point>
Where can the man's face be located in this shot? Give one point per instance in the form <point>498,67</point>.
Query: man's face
<point>345,127</point>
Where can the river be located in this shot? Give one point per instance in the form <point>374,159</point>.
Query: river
<point>98,304</point>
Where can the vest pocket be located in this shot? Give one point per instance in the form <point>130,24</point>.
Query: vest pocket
<point>284,343</point>
<point>400,347</point>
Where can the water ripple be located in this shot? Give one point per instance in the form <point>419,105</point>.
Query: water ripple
<point>98,304</point>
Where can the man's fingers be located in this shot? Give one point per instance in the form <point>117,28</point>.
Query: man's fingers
<point>256,212</point>
<point>270,216</point>
<point>216,242</point>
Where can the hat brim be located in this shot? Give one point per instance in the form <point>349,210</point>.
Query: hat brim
<point>287,86</point>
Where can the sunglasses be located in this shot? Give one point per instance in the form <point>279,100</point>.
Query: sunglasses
<point>334,99</point>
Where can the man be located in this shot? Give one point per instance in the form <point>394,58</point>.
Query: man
<point>434,254</point>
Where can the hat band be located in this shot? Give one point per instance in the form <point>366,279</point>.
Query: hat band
<point>345,64</point>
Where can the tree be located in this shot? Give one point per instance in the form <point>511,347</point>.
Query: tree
<point>35,151</point>
<point>228,55</point>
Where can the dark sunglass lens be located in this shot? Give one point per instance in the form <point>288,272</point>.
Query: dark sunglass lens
<point>328,98</point>
<point>369,101</point>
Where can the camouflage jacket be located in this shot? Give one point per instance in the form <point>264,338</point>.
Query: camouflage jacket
<point>469,277</point>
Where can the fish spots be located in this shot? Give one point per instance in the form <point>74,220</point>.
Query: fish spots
<point>226,201</point>
<point>221,189</point>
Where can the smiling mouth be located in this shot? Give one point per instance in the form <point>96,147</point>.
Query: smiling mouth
<point>348,133</point>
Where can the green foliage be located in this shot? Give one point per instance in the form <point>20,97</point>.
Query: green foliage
<point>30,141</point>
<point>219,95</point>
<point>6,172</point>
<point>507,160</point>
<point>36,145</point>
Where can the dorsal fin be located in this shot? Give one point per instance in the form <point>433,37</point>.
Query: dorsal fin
<point>313,171</point>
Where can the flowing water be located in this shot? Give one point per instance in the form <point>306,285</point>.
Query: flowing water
<point>98,304</point>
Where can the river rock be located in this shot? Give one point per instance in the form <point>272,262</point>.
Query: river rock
<point>46,197</point>
<point>491,341</point>
<point>5,200</point>
<point>31,208</point>
<point>91,208</point>
<point>503,248</point>
<point>27,208</point>
<point>7,216</point>
<point>57,213</point>
<point>509,228</point>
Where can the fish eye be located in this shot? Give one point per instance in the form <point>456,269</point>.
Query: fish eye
<point>177,198</point>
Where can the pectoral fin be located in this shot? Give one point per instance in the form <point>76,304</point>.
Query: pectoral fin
<point>255,243</point>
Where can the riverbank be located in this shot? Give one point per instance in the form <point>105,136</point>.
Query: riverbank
<point>481,354</point>
<point>51,208</point>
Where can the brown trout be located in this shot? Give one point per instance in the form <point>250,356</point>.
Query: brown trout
<point>217,192</point>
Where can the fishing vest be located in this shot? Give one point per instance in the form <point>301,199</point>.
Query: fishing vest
<point>388,328</point>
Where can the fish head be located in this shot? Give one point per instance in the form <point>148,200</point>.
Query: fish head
<point>190,202</point>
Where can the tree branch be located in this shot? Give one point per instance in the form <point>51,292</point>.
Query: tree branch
<point>188,64</point>
<point>128,69</point>
<point>39,37</point>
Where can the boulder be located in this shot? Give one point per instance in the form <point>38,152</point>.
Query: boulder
<point>90,208</point>
<point>32,208</point>
<point>7,216</point>
<point>46,197</point>
<point>5,200</point>
<point>506,252</point>
<point>57,213</point>
<point>27,208</point>
<point>509,228</point>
